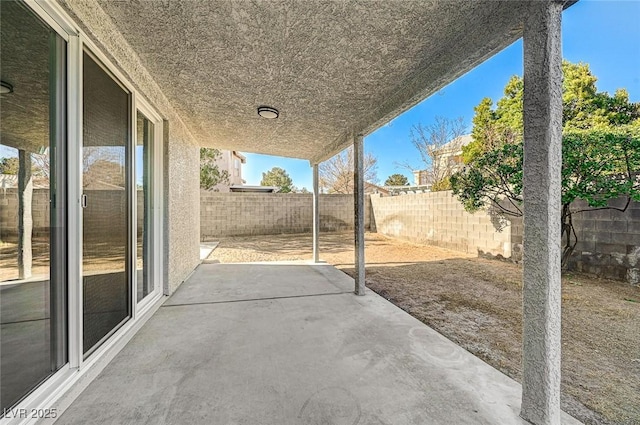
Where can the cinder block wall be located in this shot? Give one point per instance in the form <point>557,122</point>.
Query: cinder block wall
<point>437,218</point>
<point>105,225</point>
<point>9,214</point>
<point>609,242</point>
<point>243,214</point>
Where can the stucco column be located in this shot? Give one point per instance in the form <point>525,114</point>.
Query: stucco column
<point>358,221</point>
<point>541,193</point>
<point>25,218</point>
<point>316,215</point>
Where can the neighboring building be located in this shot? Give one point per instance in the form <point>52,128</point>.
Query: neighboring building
<point>421,178</point>
<point>449,157</point>
<point>231,162</point>
<point>255,189</point>
<point>370,188</point>
<point>404,190</point>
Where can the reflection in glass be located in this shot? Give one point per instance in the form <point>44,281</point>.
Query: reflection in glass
<point>143,195</point>
<point>106,294</point>
<point>32,198</point>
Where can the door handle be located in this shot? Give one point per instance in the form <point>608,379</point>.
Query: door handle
<point>83,201</point>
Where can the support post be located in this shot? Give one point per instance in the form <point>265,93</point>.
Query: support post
<point>316,215</point>
<point>358,222</point>
<point>25,218</point>
<point>541,193</point>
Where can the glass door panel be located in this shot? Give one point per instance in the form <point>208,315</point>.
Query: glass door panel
<point>33,282</point>
<point>105,253</point>
<point>144,141</point>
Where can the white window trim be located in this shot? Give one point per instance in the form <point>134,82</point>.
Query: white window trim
<point>47,394</point>
<point>140,104</point>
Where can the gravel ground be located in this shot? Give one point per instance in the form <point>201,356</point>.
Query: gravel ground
<point>477,303</point>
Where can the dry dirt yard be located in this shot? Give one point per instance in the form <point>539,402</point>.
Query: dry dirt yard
<point>477,304</point>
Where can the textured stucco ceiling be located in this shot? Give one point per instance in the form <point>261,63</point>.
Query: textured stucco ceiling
<point>24,48</point>
<point>332,68</point>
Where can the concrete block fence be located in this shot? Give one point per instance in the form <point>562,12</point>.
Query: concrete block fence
<point>245,214</point>
<point>106,210</point>
<point>609,240</point>
<point>438,219</point>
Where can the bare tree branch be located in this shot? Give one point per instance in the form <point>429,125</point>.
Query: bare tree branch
<point>430,142</point>
<point>336,174</point>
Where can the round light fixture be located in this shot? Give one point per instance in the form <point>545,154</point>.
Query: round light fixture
<point>5,88</point>
<point>268,112</point>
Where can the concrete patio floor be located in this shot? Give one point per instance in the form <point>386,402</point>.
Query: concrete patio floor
<point>290,344</point>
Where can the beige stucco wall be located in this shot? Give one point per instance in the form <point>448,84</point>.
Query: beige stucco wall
<point>181,152</point>
<point>226,162</point>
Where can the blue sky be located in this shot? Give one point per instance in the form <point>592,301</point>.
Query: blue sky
<point>604,34</point>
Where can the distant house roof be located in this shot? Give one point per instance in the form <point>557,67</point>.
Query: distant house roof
<point>254,189</point>
<point>242,158</point>
<point>374,188</point>
<point>8,181</point>
<point>405,190</point>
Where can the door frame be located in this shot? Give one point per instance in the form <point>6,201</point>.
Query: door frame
<point>156,190</point>
<point>78,370</point>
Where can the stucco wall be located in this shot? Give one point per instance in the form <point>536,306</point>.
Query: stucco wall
<point>182,207</point>
<point>238,214</point>
<point>226,162</point>
<point>181,152</point>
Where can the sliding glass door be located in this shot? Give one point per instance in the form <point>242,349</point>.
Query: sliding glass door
<point>144,193</point>
<point>33,282</point>
<point>60,303</point>
<point>106,253</point>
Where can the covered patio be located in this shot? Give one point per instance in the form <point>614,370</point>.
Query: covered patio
<point>262,344</point>
<point>288,343</point>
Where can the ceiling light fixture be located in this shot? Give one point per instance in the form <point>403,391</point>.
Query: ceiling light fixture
<point>268,112</point>
<point>5,88</point>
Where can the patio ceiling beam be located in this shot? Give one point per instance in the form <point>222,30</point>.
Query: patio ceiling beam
<point>358,222</point>
<point>541,190</point>
<point>316,215</point>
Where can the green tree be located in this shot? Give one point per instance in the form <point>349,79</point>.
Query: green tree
<point>210,173</point>
<point>396,180</point>
<point>600,152</point>
<point>277,177</point>
<point>9,165</point>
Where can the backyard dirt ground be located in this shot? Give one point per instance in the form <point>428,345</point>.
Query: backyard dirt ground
<point>476,303</point>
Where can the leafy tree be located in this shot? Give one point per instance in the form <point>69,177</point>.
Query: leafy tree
<point>39,165</point>
<point>9,165</point>
<point>600,152</point>
<point>336,174</point>
<point>396,180</point>
<point>430,141</point>
<point>277,177</point>
<point>210,173</point>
